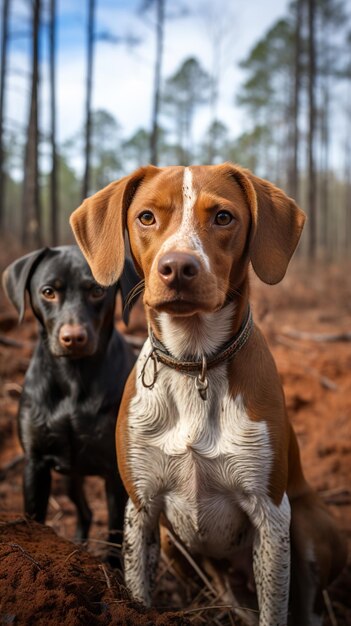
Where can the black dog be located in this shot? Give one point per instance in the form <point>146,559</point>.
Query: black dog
<point>74,383</point>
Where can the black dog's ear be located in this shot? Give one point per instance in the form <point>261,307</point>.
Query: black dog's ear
<point>16,277</point>
<point>128,280</point>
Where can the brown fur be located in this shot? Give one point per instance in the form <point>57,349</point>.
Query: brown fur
<point>99,222</point>
<point>122,438</point>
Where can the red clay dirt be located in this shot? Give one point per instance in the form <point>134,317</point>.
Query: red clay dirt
<point>45,579</point>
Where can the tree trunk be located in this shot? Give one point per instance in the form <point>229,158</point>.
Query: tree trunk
<point>293,182</point>
<point>157,82</point>
<point>3,69</point>
<point>347,211</point>
<point>54,199</point>
<point>325,139</point>
<point>88,116</point>
<point>214,97</point>
<point>347,176</point>
<point>31,213</point>
<point>312,187</point>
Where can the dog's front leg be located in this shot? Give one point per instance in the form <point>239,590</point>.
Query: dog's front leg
<point>271,558</point>
<point>141,550</point>
<point>76,493</point>
<point>36,488</point>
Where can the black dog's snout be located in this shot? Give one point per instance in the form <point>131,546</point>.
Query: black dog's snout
<point>178,269</point>
<point>73,336</point>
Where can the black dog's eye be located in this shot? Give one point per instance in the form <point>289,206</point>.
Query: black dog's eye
<point>97,292</point>
<point>223,218</point>
<point>48,293</point>
<point>147,218</point>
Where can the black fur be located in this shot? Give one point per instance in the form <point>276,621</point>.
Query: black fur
<point>71,397</point>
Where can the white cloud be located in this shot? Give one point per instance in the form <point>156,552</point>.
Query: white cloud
<point>123,78</point>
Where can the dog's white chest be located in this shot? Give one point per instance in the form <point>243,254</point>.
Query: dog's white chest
<point>197,461</point>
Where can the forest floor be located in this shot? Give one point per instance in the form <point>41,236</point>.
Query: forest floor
<point>45,580</point>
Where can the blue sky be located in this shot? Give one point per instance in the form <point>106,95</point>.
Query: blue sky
<point>123,77</point>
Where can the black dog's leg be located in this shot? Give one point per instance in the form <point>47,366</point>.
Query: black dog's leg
<point>84,514</point>
<point>116,503</point>
<point>36,489</point>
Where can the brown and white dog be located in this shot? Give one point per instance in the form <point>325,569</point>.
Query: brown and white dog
<point>212,449</point>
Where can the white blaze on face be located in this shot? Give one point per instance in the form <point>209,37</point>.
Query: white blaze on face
<point>187,237</point>
<point>189,199</point>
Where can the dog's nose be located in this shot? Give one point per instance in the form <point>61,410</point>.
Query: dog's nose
<point>73,336</point>
<point>178,269</point>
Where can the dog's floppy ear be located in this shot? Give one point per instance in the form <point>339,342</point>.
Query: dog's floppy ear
<point>128,280</point>
<point>99,225</point>
<point>16,277</point>
<point>277,223</point>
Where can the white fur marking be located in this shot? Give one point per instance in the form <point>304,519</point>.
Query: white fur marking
<point>141,539</point>
<point>186,238</point>
<point>196,335</point>
<point>189,197</point>
<point>205,457</point>
<point>271,557</point>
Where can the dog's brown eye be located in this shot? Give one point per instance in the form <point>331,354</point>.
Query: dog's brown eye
<point>97,292</point>
<point>48,293</point>
<point>223,218</point>
<point>147,218</point>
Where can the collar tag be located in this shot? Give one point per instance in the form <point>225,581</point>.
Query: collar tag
<point>201,381</point>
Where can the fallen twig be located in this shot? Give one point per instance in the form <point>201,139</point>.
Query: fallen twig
<point>194,565</point>
<point>13,388</point>
<point>320,337</point>
<point>325,382</point>
<point>246,614</point>
<point>14,522</point>
<point>70,555</point>
<point>11,465</point>
<point>231,619</point>
<point>329,608</point>
<point>340,496</point>
<point>289,343</point>
<point>24,552</point>
<point>168,567</point>
<point>337,491</point>
<point>57,517</point>
<point>108,582</point>
<point>11,343</point>
<point>207,608</point>
<point>55,505</point>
